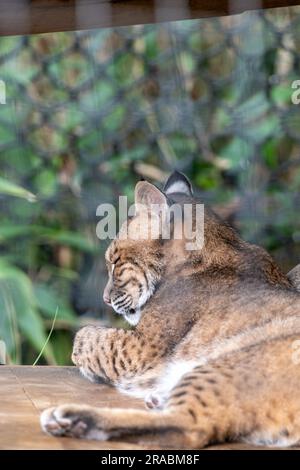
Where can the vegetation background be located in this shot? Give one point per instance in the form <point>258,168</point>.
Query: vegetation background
<point>88,113</point>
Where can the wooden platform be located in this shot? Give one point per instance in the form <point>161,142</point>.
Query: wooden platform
<point>41,16</point>
<point>26,391</point>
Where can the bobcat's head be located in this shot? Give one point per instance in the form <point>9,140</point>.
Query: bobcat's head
<point>142,255</point>
<point>137,258</point>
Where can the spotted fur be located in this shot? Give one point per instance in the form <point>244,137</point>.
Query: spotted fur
<point>213,343</point>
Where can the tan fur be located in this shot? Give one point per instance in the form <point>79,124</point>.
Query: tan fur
<point>213,348</point>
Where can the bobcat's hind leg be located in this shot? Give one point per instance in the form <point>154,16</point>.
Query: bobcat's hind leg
<point>194,415</point>
<point>163,428</point>
<point>251,395</point>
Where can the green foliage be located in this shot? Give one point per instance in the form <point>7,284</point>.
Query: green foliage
<point>24,307</point>
<point>19,313</point>
<point>11,189</point>
<point>89,113</point>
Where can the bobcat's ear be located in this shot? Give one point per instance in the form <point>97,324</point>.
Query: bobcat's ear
<point>178,183</point>
<point>149,195</point>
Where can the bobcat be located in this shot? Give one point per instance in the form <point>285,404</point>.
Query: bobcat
<point>211,351</point>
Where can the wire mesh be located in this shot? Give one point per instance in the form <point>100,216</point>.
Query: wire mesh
<point>87,113</point>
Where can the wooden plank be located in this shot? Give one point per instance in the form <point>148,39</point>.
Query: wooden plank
<point>26,391</point>
<point>40,16</point>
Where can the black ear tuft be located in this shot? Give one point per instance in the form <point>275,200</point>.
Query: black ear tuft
<point>178,183</point>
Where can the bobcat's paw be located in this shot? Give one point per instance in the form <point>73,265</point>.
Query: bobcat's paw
<point>86,353</point>
<point>72,421</point>
<point>155,400</point>
<point>83,342</point>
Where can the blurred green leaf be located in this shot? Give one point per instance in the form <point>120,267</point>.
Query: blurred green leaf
<point>19,310</point>
<point>10,189</point>
<point>59,236</point>
<point>47,302</point>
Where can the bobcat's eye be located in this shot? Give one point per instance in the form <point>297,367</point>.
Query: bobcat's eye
<point>116,261</point>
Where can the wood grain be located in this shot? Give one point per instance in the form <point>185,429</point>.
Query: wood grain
<point>41,16</point>
<point>26,391</point>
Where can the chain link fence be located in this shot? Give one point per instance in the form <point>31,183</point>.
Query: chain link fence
<point>87,113</point>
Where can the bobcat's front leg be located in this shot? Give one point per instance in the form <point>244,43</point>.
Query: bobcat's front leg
<point>113,354</point>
